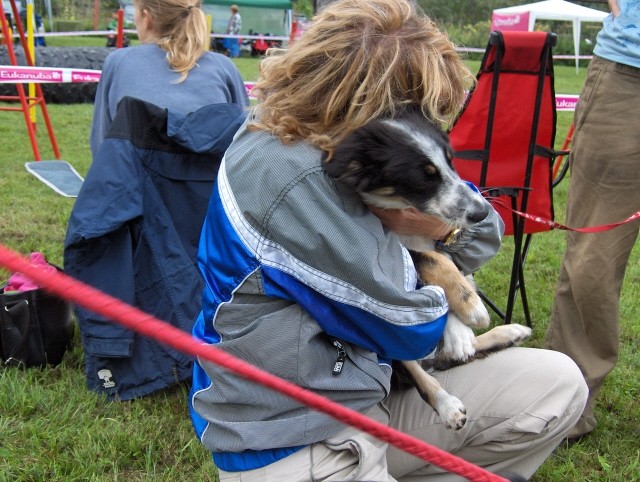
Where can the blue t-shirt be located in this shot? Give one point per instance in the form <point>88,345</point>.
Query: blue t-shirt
<point>619,39</point>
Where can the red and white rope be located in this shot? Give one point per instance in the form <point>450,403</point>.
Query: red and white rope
<point>145,324</point>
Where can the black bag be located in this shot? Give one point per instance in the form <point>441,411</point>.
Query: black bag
<point>36,328</point>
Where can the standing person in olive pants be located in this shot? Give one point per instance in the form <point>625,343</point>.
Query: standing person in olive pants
<point>605,182</point>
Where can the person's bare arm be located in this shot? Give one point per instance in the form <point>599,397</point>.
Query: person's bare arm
<point>412,221</point>
<point>476,245</point>
<point>615,9</point>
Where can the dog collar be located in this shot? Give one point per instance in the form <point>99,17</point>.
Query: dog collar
<point>453,237</point>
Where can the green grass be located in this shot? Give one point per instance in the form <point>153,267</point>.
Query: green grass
<point>52,428</point>
<point>81,41</point>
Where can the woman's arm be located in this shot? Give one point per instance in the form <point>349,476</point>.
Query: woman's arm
<point>615,9</point>
<point>476,245</point>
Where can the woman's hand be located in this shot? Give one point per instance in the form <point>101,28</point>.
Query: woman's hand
<point>412,221</point>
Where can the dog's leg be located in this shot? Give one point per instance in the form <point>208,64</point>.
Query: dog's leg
<point>449,408</point>
<point>501,337</point>
<point>461,337</point>
<point>437,269</point>
<point>458,340</point>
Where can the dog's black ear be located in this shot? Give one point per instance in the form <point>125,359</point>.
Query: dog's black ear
<point>355,159</point>
<point>348,155</point>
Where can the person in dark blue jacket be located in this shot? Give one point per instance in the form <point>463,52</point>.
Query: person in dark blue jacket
<point>134,231</point>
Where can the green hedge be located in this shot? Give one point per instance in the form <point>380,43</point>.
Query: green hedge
<point>68,25</point>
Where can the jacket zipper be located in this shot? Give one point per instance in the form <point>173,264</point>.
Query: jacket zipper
<point>342,356</point>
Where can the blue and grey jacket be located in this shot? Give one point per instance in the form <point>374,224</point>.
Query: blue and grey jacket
<point>293,262</point>
<point>134,232</point>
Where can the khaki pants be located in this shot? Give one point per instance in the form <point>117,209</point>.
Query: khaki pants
<point>604,188</point>
<point>520,403</point>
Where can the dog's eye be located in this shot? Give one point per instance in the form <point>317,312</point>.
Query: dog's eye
<point>430,170</point>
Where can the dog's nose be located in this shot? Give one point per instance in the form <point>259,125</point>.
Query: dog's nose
<point>478,213</point>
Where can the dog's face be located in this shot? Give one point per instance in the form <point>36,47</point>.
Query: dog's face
<point>406,162</point>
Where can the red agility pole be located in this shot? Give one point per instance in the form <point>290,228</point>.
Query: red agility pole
<point>26,102</point>
<point>147,325</point>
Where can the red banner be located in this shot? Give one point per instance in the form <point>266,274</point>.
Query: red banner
<point>510,21</point>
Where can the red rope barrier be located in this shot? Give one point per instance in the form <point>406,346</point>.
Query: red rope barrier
<point>555,225</point>
<point>145,324</point>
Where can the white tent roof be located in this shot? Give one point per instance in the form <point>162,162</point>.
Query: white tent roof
<point>558,10</point>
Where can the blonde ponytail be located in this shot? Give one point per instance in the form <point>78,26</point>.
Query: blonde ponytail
<point>181,30</point>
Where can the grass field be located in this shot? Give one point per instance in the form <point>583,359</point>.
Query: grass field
<point>52,428</point>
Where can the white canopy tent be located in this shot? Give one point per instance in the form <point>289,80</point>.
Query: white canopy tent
<point>553,10</point>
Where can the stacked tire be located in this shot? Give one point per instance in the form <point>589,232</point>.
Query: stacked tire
<point>64,57</point>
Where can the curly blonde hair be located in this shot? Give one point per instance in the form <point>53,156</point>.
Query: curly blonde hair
<point>181,30</point>
<point>359,60</point>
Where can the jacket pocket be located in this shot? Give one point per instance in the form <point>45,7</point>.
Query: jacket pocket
<point>109,347</point>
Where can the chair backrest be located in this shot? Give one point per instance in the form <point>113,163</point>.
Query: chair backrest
<point>504,136</point>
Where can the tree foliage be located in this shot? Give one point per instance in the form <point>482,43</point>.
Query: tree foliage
<point>78,10</point>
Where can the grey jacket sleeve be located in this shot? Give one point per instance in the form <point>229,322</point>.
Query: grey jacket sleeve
<point>478,244</point>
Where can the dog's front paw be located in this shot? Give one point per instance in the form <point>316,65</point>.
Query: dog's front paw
<point>450,410</point>
<point>509,335</point>
<point>517,333</point>
<point>458,340</point>
<point>501,337</point>
<point>477,315</point>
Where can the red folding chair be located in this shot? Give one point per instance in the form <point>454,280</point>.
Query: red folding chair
<point>503,141</point>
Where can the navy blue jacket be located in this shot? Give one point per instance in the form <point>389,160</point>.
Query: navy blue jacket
<point>134,231</point>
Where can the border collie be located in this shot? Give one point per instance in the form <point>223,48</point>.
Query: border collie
<point>404,162</point>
